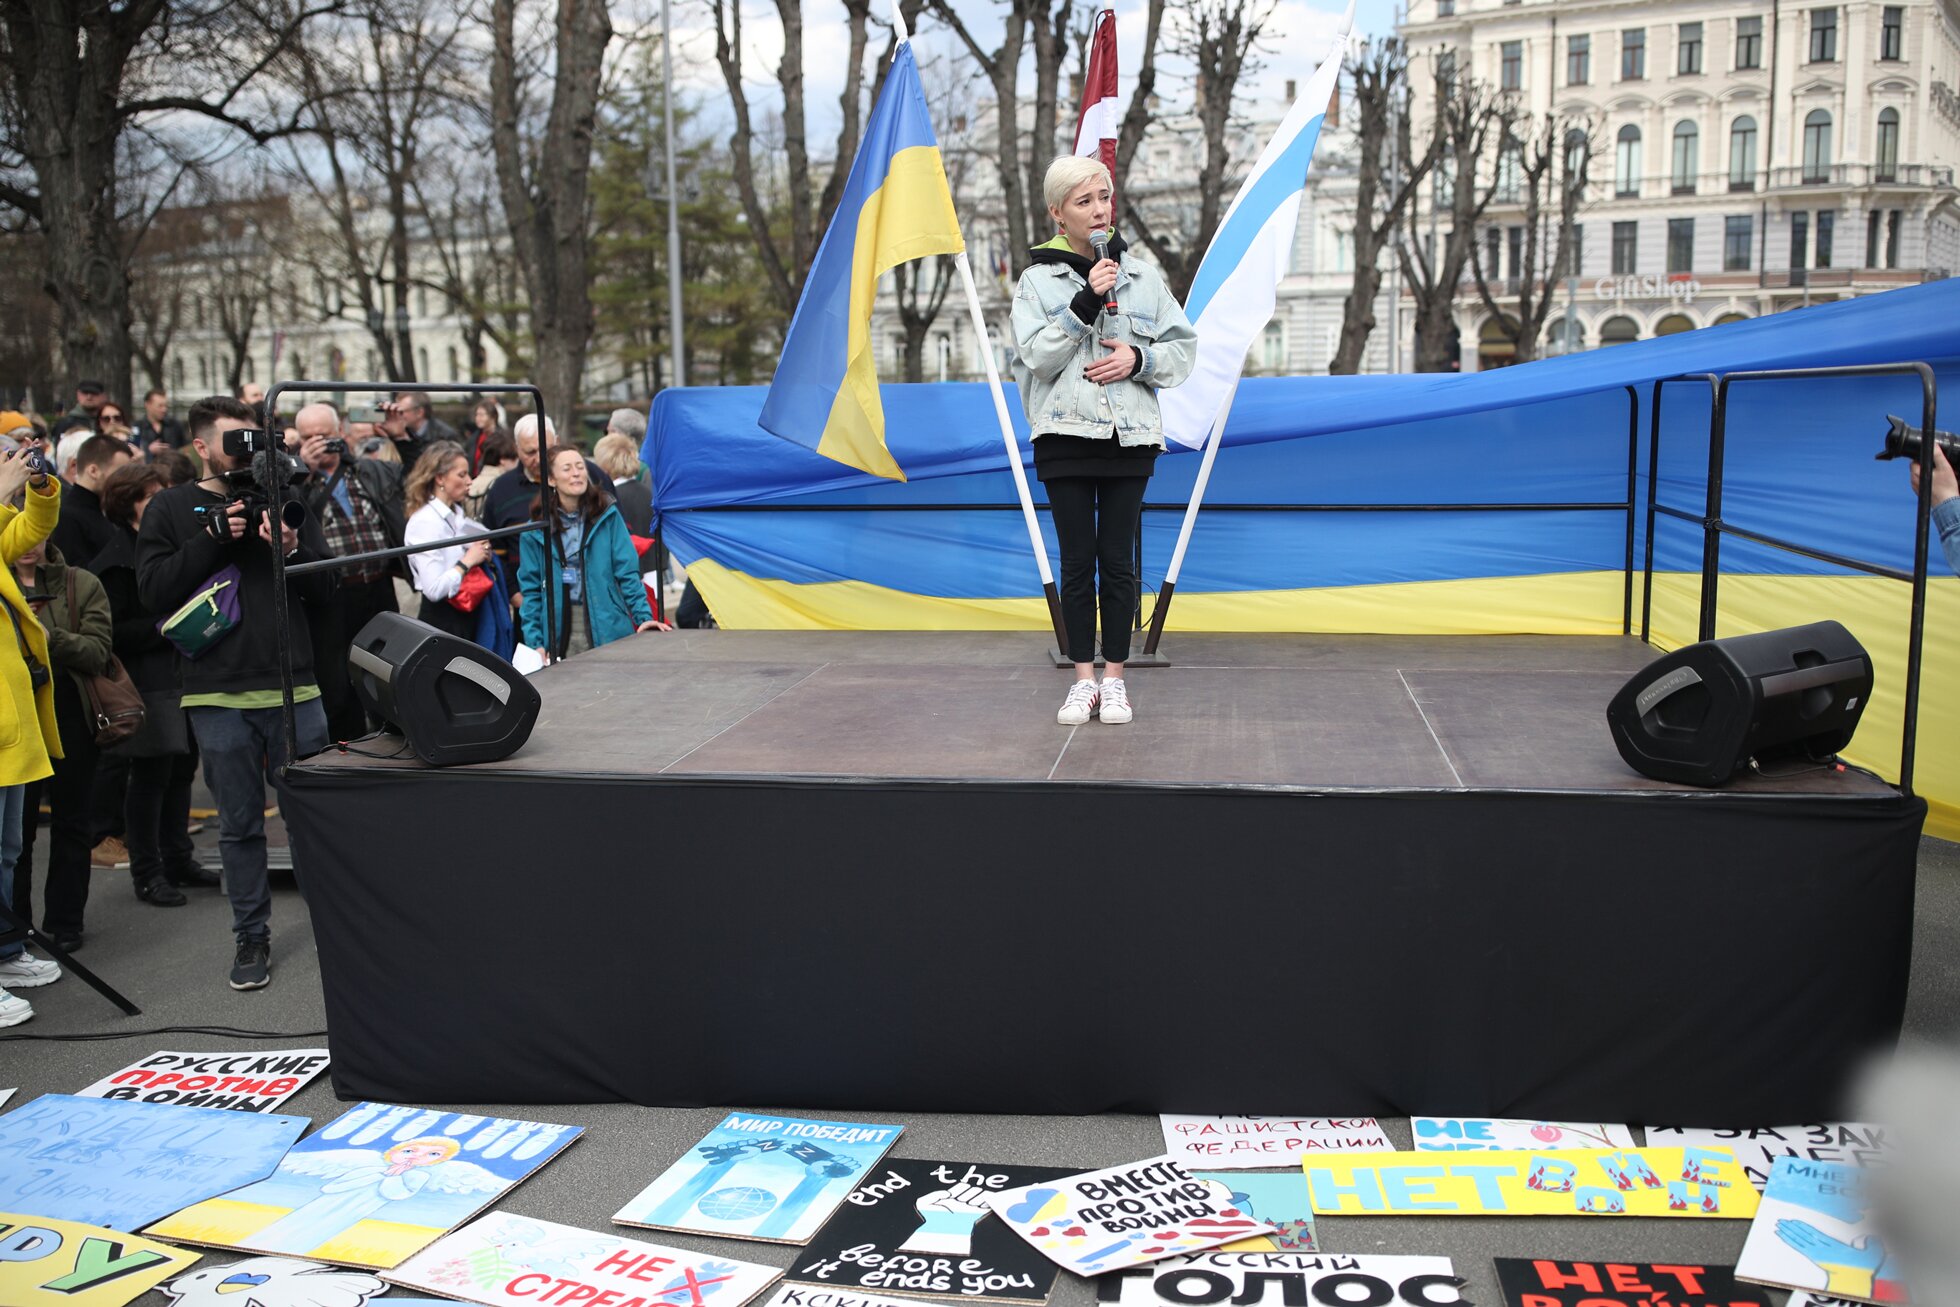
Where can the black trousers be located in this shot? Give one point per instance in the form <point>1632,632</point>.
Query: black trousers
<point>333,626</point>
<point>157,815</point>
<point>1096,520</point>
<point>69,793</point>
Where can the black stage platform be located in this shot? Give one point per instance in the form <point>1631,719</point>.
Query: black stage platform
<point>1338,875</point>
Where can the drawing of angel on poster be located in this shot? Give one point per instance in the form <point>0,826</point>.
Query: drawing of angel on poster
<point>361,1183</point>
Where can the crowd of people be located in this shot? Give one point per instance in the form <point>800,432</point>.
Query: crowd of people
<point>139,566</point>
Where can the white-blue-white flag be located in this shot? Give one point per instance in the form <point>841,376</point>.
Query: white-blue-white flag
<point>1233,295</point>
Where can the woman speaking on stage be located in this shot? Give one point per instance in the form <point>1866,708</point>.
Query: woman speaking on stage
<point>1089,375</point>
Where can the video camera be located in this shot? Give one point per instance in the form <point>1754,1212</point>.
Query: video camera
<point>1902,441</point>
<point>264,467</point>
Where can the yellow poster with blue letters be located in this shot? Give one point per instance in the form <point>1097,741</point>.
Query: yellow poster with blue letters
<point>1704,1182</point>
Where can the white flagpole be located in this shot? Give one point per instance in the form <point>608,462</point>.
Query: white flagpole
<point>1013,449</point>
<point>1161,610</point>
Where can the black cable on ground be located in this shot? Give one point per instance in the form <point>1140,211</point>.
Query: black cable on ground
<point>219,1032</point>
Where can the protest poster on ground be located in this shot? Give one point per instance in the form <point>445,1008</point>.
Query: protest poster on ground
<point>238,1082</point>
<point>1465,1134</point>
<point>1124,1216</point>
<point>1848,1143</point>
<point>1814,1232</point>
<point>1680,1182</point>
<point>924,1229</point>
<point>504,1260</point>
<point>1219,1143</point>
<point>50,1263</point>
<point>124,1165</point>
<point>1545,1283</point>
<point>1281,1201</point>
<point>273,1282</point>
<point>811,1295</point>
<point>1806,1299</point>
<point>374,1185</point>
<point>770,1178</point>
<point>6,1094</point>
<point>1215,1279</point>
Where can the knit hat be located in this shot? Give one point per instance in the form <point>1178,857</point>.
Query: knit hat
<point>11,421</point>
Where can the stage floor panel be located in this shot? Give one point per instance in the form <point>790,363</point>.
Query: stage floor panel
<point>1312,711</point>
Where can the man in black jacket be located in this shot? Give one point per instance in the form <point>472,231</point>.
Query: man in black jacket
<point>413,427</point>
<point>358,504</point>
<point>156,430</point>
<point>83,532</point>
<point>231,691</point>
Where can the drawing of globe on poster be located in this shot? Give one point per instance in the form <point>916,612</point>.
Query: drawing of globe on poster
<point>771,1178</point>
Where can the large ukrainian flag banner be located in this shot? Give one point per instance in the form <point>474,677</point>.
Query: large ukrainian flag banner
<point>896,207</point>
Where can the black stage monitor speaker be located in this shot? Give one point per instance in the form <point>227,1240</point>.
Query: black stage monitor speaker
<point>1701,713</point>
<point>455,701</point>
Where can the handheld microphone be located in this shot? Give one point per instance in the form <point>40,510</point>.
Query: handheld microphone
<point>1099,245</point>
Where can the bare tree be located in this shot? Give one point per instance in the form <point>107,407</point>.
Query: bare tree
<point>1137,117</point>
<point>544,183</point>
<point>1220,40</point>
<point>474,271</point>
<point>1048,37</point>
<point>1465,118</point>
<point>1002,68</point>
<point>1382,197</point>
<point>1545,174</point>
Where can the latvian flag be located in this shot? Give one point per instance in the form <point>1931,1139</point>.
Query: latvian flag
<point>1095,132</point>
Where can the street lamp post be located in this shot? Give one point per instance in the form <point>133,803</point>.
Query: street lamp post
<point>675,339</point>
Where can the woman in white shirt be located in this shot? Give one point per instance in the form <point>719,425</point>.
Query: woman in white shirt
<point>437,487</point>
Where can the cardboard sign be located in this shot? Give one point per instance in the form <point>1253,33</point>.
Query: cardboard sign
<point>1281,1201</point>
<point>809,1295</point>
<point>924,1228</point>
<point>504,1260</point>
<point>1757,1149</point>
<point>1217,1143</point>
<point>125,1165</point>
<point>772,1178</point>
<point>272,1282</point>
<point>1544,1283</point>
<point>1466,1134</point>
<point>1124,1216</point>
<point>1688,1182</point>
<point>1813,1232</point>
<point>238,1082</point>
<point>1217,1279</point>
<point>49,1263</point>
<point>6,1094</point>
<point>373,1186</point>
<point>1801,1299</point>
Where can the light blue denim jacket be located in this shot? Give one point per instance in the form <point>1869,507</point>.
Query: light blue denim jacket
<point>1053,346</point>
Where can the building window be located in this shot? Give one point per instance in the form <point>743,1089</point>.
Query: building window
<point>1272,347</point>
<point>1817,146</point>
<point>1823,36</point>
<point>1633,54</point>
<point>1742,154</point>
<point>1674,324</point>
<point>1445,188</point>
<point>1874,221</point>
<point>1892,33</point>
<point>1888,145</point>
<point>1618,330</point>
<point>1738,234</point>
<point>1510,173</point>
<point>1446,8</point>
<point>1748,43</point>
<point>1626,162</point>
<point>1826,226</point>
<point>1510,66</point>
<point>1688,51</point>
<point>1892,226</point>
<point>1687,157</point>
<point>1578,60</point>
<point>1493,252</point>
<point>1574,263</point>
<point>1576,147</point>
<point>1799,240</point>
<point>1626,247</point>
<point>1680,244</point>
<point>1514,247</point>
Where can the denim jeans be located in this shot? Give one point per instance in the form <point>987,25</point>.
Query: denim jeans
<point>243,748</point>
<point>12,805</point>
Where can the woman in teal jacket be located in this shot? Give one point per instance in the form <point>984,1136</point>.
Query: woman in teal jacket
<point>594,569</point>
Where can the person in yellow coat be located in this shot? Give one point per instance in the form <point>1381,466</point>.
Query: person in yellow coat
<point>28,738</point>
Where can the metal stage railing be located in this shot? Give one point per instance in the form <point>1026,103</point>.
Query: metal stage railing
<point>1713,527</point>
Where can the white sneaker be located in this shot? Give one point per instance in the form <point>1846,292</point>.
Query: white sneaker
<point>1080,703</point>
<point>27,971</point>
<point>14,1010</point>
<point>1115,702</point>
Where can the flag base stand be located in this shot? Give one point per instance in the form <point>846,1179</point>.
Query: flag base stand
<point>1137,658</point>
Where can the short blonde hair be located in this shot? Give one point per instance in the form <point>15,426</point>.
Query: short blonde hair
<point>1069,172</point>
<point>617,457</point>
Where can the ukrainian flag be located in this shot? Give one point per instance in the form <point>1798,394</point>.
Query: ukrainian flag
<point>896,207</point>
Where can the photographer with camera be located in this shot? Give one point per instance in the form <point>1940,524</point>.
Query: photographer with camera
<point>358,504</point>
<point>212,540</point>
<point>409,423</point>
<point>1946,504</point>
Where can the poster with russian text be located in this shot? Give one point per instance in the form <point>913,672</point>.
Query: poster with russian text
<point>1814,1232</point>
<point>1849,1143</point>
<point>1468,1134</point>
<point>1222,1143</point>
<point>273,1282</point>
<point>772,1178</point>
<point>1679,1182</point>
<point>1216,1279</point>
<point>505,1260</point>
<point>1542,1282</point>
<point>1281,1201</point>
<point>50,1263</point>
<point>924,1228</point>
<point>1124,1216</point>
<point>237,1082</point>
